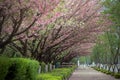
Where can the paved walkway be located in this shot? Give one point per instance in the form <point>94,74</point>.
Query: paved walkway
<point>86,73</point>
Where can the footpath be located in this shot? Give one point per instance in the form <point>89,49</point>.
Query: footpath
<point>87,73</point>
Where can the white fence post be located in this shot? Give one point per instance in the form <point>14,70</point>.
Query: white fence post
<point>46,68</point>
<point>50,67</point>
<point>107,67</point>
<point>53,66</point>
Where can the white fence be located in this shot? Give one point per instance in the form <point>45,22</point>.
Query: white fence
<point>47,68</point>
<point>112,68</point>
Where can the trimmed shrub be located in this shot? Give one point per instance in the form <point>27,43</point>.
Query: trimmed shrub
<point>108,72</point>
<point>63,72</point>
<point>20,69</point>
<point>48,76</point>
<point>56,74</point>
<point>117,75</point>
<point>5,63</point>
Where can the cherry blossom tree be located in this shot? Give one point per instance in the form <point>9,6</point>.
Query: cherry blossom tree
<point>18,16</point>
<point>91,22</point>
<point>64,35</point>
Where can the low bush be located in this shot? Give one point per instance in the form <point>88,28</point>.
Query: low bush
<point>56,74</point>
<point>5,63</point>
<point>108,72</point>
<point>63,72</point>
<point>117,75</point>
<point>48,76</point>
<point>18,69</point>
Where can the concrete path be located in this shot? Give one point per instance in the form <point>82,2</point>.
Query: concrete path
<point>86,73</point>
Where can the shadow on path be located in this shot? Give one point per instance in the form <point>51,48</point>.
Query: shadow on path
<point>86,73</point>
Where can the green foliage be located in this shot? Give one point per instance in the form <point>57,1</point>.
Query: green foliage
<point>61,7</point>
<point>9,52</point>
<point>117,75</point>
<point>48,76</point>
<point>63,72</point>
<point>106,48</point>
<point>102,70</point>
<point>56,74</point>
<point>4,66</point>
<point>18,69</point>
<point>25,68</point>
<point>112,7</point>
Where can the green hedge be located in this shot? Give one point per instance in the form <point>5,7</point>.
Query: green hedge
<point>18,69</point>
<point>48,76</point>
<point>116,75</point>
<point>5,63</point>
<point>56,74</point>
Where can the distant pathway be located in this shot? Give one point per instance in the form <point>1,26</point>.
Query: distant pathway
<point>86,73</point>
